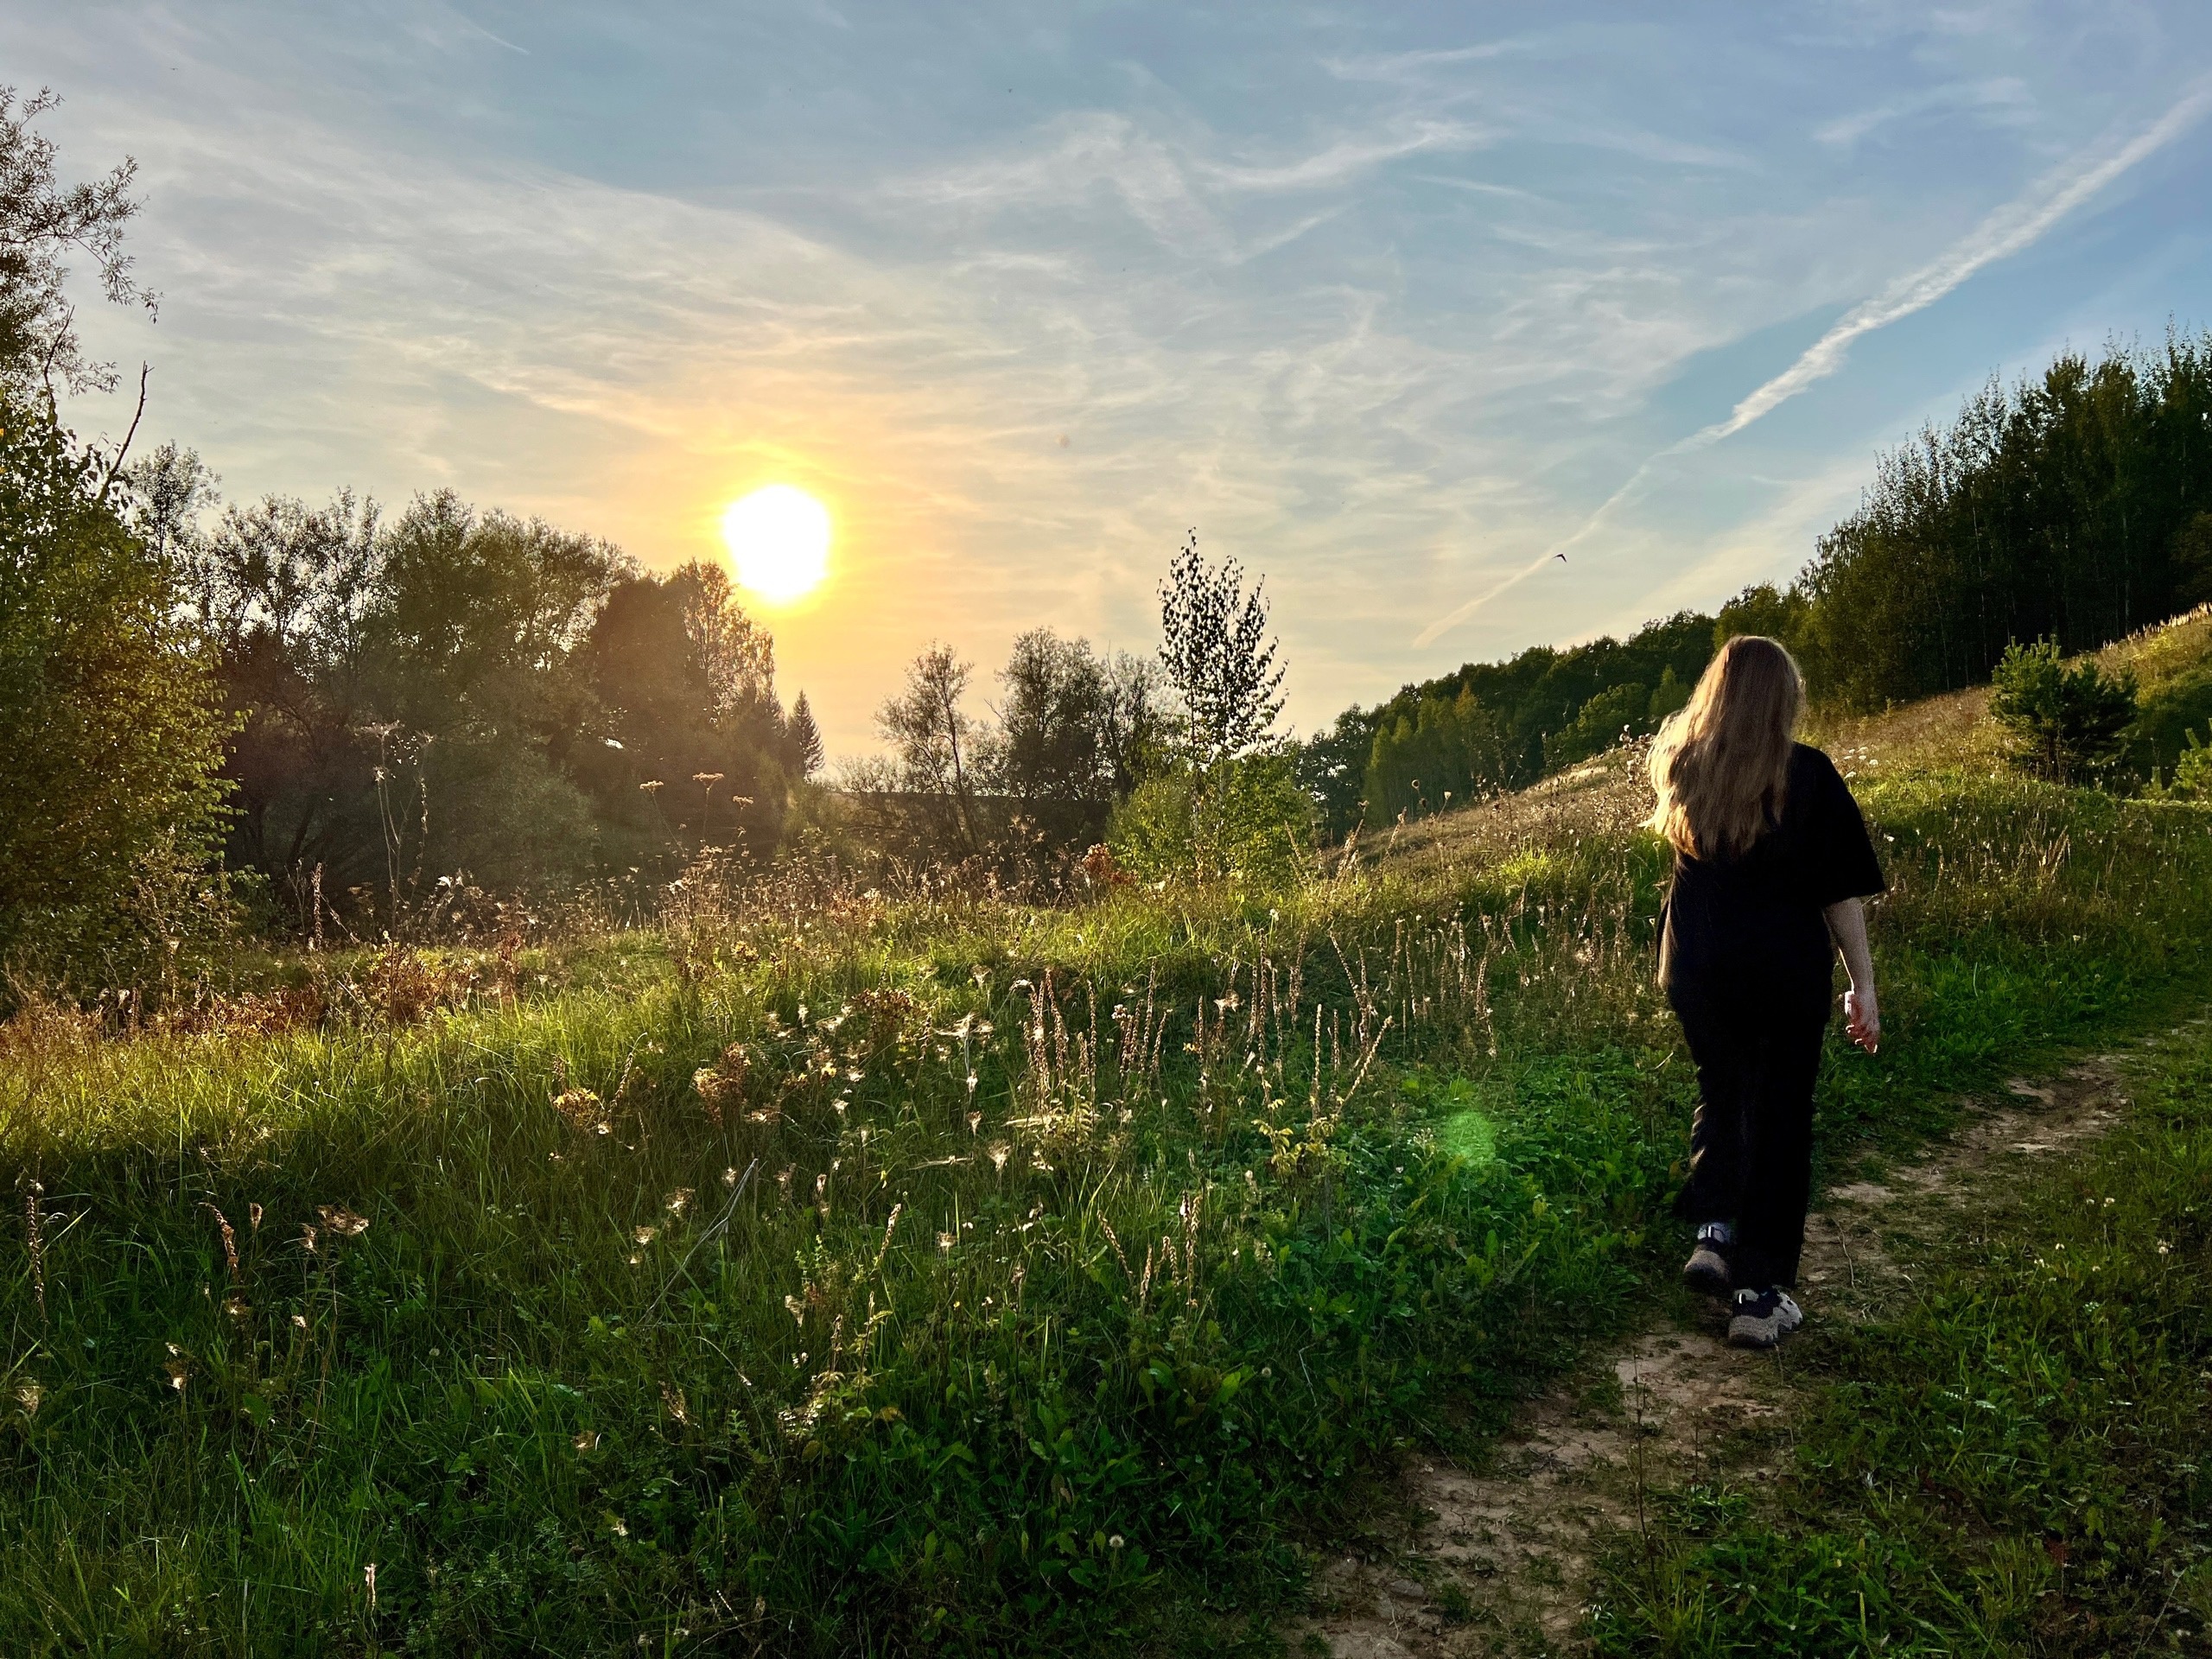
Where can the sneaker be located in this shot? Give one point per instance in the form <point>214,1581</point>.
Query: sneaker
<point>1707,1271</point>
<point>1760,1318</point>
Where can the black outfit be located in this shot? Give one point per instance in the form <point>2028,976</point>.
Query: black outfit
<point>1747,960</point>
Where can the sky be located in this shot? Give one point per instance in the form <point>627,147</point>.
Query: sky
<point>1392,304</point>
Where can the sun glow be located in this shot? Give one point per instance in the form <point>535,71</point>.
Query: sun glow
<point>779,539</point>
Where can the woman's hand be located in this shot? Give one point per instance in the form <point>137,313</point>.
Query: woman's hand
<point>1862,1019</point>
<point>1862,1014</point>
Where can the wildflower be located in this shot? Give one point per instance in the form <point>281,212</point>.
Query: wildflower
<point>730,1176</point>
<point>945,1243</point>
<point>342,1221</point>
<point>27,1398</point>
<point>587,1441</point>
<point>680,1200</point>
<point>1000,1153</point>
<point>1114,1542</point>
<point>975,1119</point>
<point>645,1235</point>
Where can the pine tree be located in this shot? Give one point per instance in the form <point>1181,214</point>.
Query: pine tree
<point>806,738</point>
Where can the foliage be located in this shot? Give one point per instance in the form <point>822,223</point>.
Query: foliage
<point>41,223</point>
<point>2168,717</point>
<point>109,734</point>
<point>2063,508</point>
<point>467,696</point>
<point>1219,661</point>
<point>1429,757</point>
<point>806,740</point>
<point>2192,771</point>
<point>941,754</point>
<point>1076,733</point>
<point>1245,821</point>
<point>1405,755</point>
<point>1622,711</point>
<point>2066,724</point>
<point>2076,507</point>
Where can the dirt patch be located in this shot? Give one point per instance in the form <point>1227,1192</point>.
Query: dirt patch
<point>1464,1562</point>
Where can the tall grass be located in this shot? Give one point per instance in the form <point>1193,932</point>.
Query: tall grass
<point>832,1272</point>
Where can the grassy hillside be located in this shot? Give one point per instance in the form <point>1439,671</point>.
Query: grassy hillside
<point>838,1271</point>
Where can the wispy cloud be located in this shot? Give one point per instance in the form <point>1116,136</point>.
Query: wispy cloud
<point>901,262</point>
<point>2005,99</point>
<point>2013,227</point>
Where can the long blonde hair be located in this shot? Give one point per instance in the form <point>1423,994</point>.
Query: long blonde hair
<point>1721,765</point>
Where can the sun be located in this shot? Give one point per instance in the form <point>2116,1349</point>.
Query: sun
<point>778,539</point>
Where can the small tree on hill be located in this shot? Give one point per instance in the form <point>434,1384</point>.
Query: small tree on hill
<point>1217,656</point>
<point>2067,724</point>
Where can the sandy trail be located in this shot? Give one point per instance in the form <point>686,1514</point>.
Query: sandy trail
<point>1498,1563</point>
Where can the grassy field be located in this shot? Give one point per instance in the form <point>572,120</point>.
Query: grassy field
<point>2012,1460</point>
<point>829,1271</point>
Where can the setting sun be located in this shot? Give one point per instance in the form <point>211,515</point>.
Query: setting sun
<point>779,539</point>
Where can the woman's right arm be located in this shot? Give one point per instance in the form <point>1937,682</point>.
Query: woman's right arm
<point>1862,1012</point>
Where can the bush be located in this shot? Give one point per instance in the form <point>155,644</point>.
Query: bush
<point>2192,778</point>
<point>2067,724</point>
<point>110,738</point>
<point>1242,821</point>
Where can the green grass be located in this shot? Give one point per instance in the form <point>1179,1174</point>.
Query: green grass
<point>2015,1463</point>
<point>835,1349</point>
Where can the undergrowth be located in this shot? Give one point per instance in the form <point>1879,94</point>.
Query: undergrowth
<point>831,1272</point>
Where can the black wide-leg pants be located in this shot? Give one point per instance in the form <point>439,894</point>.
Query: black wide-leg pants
<point>1752,1141</point>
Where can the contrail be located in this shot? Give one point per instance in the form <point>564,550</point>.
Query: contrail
<point>2004,232</point>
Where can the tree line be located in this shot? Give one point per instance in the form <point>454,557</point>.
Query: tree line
<point>456,696</point>
<point>2075,507</point>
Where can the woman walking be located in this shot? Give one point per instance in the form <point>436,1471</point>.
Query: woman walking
<point>1771,859</point>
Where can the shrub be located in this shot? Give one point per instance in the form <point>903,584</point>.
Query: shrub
<point>1243,821</point>
<point>2067,724</point>
<point>2192,778</point>
<point>110,738</point>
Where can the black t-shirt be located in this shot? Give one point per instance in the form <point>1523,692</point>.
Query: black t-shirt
<point>1752,926</point>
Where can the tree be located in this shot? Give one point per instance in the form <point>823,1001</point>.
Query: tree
<point>41,222</point>
<point>941,754</point>
<point>680,685</point>
<point>1218,657</point>
<point>1332,769</point>
<point>2067,724</point>
<point>806,738</point>
<point>110,734</point>
<point>1077,732</point>
<point>1446,751</point>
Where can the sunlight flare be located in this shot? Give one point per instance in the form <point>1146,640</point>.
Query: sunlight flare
<point>778,540</point>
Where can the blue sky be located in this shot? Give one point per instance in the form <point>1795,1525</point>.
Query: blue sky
<point>1390,302</point>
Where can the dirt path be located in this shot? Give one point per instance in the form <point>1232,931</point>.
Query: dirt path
<point>1498,1561</point>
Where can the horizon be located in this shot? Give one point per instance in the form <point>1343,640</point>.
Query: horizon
<point>1392,312</point>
